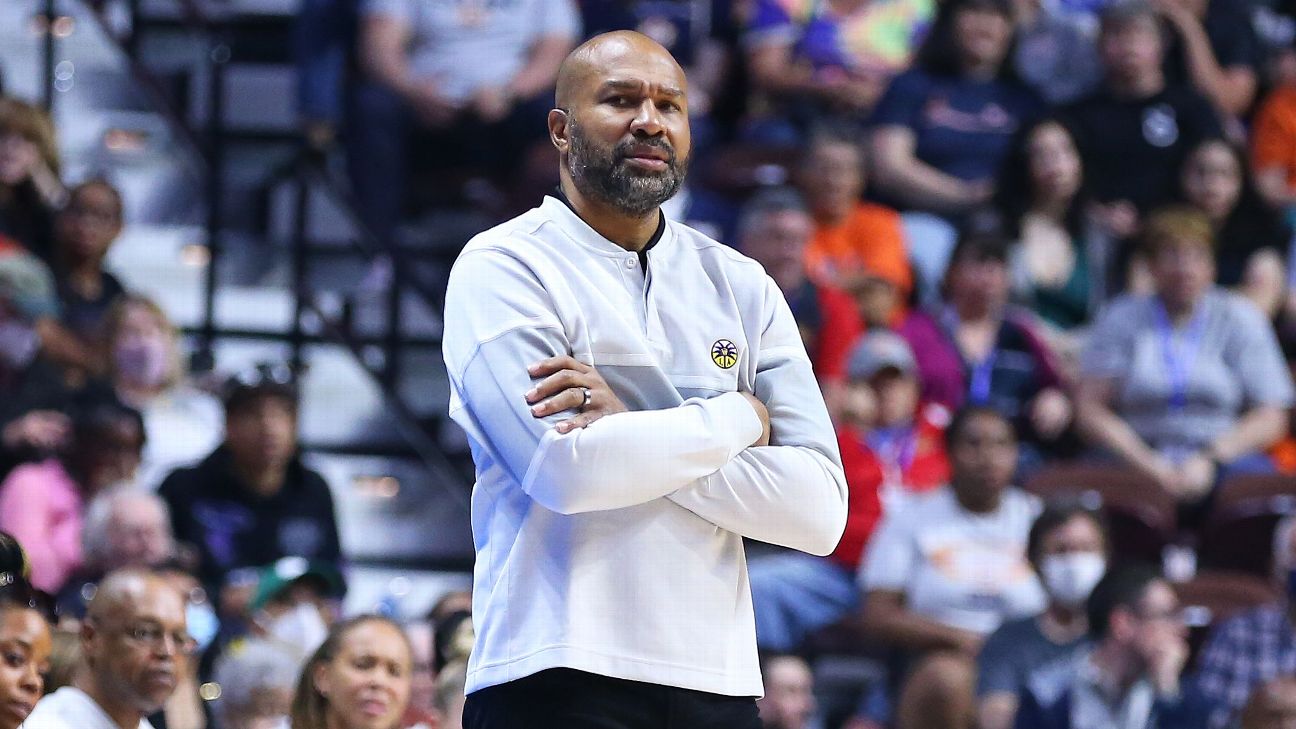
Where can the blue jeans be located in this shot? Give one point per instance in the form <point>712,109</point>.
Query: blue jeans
<point>796,594</point>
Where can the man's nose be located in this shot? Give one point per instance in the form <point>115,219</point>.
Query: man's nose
<point>648,120</point>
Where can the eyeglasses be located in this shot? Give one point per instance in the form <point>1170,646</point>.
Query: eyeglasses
<point>155,638</point>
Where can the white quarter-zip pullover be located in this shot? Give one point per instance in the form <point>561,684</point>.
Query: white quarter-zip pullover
<point>617,548</point>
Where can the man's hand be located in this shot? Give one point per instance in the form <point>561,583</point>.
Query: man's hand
<point>432,107</point>
<point>563,388</point>
<point>44,430</point>
<point>492,103</point>
<point>763,413</point>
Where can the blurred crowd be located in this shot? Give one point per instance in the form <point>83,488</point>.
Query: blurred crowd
<point>1022,238</point>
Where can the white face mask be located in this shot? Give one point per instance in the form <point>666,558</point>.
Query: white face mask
<point>1069,578</point>
<point>301,628</point>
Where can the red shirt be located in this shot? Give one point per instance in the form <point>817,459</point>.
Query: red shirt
<point>926,468</point>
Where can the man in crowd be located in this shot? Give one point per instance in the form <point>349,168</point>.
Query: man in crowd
<point>789,701</point>
<point>134,647</point>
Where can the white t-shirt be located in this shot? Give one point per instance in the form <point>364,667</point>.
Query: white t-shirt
<point>618,549</point>
<point>71,708</point>
<point>958,568</point>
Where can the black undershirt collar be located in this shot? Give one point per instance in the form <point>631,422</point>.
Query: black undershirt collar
<point>643,252</point>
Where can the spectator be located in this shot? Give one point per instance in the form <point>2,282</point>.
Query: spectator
<point>941,129</point>
<point>84,231</point>
<point>147,371</point>
<point>422,712</point>
<point>834,58</point>
<point>474,80</point>
<point>1055,55</point>
<point>1273,146</point>
<point>294,603</point>
<point>1272,706</point>
<point>256,681</point>
<point>1218,51</point>
<point>133,649</point>
<point>1251,238</point>
<point>789,701</point>
<point>24,638</point>
<point>123,527</point>
<point>1135,131</point>
<point>775,229</point>
<point>1059,261</point>
<point>450,693</point>
<point>978,349</point>
<point>1186,385</point>
<point>323,43</point>
<point>1131,677</point>
<point>851,237</point>
<point>43,504</point>
<point>1250,649</point>
<point>944,573</point>
<point>252,500</point>
<point>358,679</point>
<point>30,190</point>
<point>1068,547</point>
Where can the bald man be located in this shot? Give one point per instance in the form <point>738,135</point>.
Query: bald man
<point>638,401</point>
<point>133,645</point>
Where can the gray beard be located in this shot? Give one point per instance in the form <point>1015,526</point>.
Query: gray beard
<point>606,177</point>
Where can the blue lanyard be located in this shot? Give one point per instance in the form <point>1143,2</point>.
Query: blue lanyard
<point>981,373</point>
<point>1179,355</point>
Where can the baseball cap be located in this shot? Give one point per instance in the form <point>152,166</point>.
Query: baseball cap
<point>274,578</point>
<point>27,285</point>
<point>877,351</point>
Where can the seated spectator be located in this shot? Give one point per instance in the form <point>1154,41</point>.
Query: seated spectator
<point>30,189</point>
<point>1055,53</point>
<point>889,454</point>
<point>83,233</point>
<point>256,681</point>
<point>1250,649</point>
<point>358,679</point>
<point>134,647</point>
<point>294,603</point>
<point>1218,52</point>
<point>775,229</point>
<point>812,60</point>
<point>978,349</point>
<point>1272,706</point>
<point>123,527</point>
<point>942,129</point>
<point>789,701</point>
<point>422,712</point>
<point>43,504</point>
<point>450,694</point>
<point>1273,147</point>
<point>1059,259</point>
<point>1186,385</point>
<point>147,372</point>
<point>948,570</point>
<point>1135,131</point>
<point>252,500</point>
<point>1068,548</point>
<point>1131,677</point>
<point>24,635</point>
<point>475,82</point>
<point>851,237</point>
<point>1251,238</point>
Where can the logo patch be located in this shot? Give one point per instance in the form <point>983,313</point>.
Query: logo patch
<point>724,353</point>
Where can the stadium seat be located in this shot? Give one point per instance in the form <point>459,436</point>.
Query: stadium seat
<point>1238,532</point>
<point>1140,514</point>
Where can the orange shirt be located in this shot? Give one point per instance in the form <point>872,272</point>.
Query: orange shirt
<point>1273,135</point>
<point>871,238</point>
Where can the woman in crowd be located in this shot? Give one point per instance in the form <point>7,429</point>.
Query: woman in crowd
<point>1251,237</point>
<point>30,190</point>
<point>358,679</point>
<point>83,233</point>
<point>1068,548</point>
<point>1186,384</point>
<point>147,369</point>
<point>25,638</point>
<point>43,504</point>
<point>977,349</point>
<point>1058,262</point>
<point>949,569</point>
<point>943,127</point>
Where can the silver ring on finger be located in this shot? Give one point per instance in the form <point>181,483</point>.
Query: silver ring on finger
<point>589,397</point>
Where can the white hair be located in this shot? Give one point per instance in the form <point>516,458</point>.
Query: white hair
<point>1282,544</point>
<point>252,666</point>
<point>95,529</point>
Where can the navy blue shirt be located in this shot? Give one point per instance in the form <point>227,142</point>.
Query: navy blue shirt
<point>962,127</point>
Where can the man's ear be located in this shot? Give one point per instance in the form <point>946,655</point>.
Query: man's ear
<point>558,129</point>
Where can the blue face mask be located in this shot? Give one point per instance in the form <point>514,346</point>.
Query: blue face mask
<point>202,623</point>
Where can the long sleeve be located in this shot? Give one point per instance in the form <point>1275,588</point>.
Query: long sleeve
<point>499,320</point>
<point>791,493</point>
